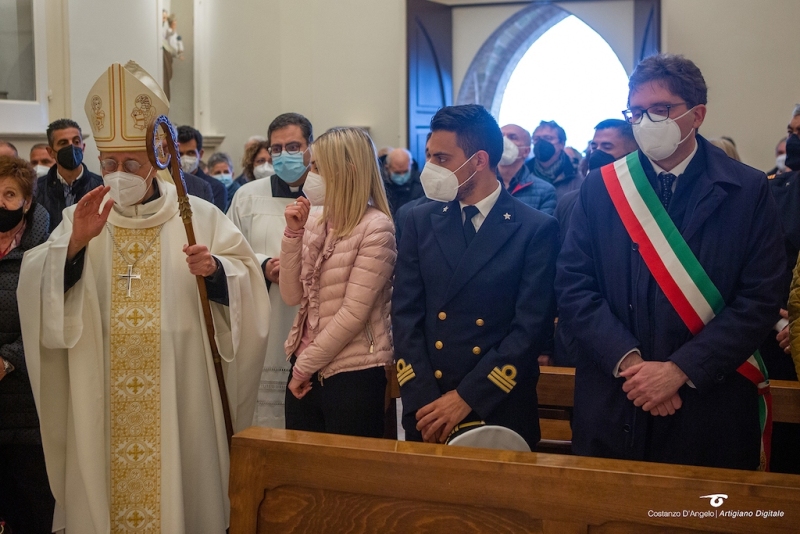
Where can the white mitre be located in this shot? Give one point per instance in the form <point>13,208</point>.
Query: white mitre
<point>120,106</point>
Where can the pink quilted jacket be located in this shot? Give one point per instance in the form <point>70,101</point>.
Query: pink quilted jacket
<point>344,287</point>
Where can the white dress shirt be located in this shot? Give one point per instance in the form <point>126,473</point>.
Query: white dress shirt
<point>484,207</point>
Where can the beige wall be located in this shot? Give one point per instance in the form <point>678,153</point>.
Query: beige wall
<point>749,58</point>
<point>339,63</point>
<point>102,33</point>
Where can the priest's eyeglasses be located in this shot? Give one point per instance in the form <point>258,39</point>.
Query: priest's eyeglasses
<point>656,113</point>
<point>290,148</point>
<point>130,165</point>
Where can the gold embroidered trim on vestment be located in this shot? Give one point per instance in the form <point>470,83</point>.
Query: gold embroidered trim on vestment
<point>135,382</point>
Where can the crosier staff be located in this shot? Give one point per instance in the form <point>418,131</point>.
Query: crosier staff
<point>171,158</point>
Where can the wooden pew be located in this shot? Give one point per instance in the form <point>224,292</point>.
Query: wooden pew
<point>288,481</point>
<point>556,390</point>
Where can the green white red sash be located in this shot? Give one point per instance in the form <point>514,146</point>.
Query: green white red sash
<point>676,269</point>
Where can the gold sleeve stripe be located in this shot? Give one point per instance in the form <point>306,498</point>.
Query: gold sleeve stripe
<point>499,384</point>
<point>500,380</point>
<point>406,376</point>
<point>405,372</point>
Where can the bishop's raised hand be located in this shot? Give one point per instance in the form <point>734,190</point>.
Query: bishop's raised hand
<point>88,220</point>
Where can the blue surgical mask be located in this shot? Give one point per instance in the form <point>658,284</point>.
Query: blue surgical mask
<point>226,179</point>
<point>400,178</point>
<point>289,167</point>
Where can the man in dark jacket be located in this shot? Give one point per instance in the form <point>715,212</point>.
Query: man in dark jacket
<point>550,162</point>
<point>646,387</point>
<point>190,144</point>
<point>400,179</point>
<point>473,299</point>
<point>516,177</point>
<point>69,179</point>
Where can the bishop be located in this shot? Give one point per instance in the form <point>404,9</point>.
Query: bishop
<point>131,416</point>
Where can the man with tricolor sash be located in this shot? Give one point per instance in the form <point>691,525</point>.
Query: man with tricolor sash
<point>671,275</point>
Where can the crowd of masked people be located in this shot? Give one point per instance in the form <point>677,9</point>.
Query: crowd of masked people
<point>664,263</point>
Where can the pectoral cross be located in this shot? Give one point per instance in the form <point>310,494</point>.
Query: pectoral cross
<point>130,276</point>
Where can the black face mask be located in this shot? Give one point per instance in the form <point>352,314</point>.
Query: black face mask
<point>598,159</point>
<point>70,157</point>
<point>793,152</point>
<point>9,219</point>
<point>544,150</point>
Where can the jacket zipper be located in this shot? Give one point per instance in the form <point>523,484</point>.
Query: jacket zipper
<point>370,338</point>
<point>368,331</point>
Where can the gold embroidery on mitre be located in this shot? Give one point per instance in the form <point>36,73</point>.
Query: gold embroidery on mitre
<point>143,112</point>
<point>99,114</point>
<point>121,104</point>
<point>135,342</point>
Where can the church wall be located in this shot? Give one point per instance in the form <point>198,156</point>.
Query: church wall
<point>748,56</point>
<point>102,33</point>
<point>338,63</point>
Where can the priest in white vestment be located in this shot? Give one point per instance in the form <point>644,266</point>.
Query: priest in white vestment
<point>257,209</point>
<point>116,343</point>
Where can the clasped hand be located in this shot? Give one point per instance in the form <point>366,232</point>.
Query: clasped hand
<point>299,388</point>
<point>654,386</point>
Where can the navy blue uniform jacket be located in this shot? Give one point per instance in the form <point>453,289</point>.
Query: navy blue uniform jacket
<point>727,216</point>
<point>474,319</point>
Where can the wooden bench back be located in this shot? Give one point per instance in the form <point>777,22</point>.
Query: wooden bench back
<point>288,481</point>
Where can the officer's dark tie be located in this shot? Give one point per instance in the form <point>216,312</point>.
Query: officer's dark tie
<point>665,194</point>
<point>469,228</point>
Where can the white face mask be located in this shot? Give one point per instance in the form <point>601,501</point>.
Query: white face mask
<point>659,140</point>
<point>314,189</point>
<point>441,184</point>
<point>189,164</point>
<point>510,152</point>
<point>126,189</point>
<point>780,162</point>
<point>265,170</point>
<point>41,170</point>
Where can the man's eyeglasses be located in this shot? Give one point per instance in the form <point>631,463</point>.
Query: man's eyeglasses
<point>656,113</point>
<point>131,165</point>
<point>290,148</point>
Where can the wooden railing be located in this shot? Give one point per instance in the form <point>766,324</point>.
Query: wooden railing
<point>288,481</point>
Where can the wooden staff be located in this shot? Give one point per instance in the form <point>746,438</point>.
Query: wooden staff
<point>172,159</point>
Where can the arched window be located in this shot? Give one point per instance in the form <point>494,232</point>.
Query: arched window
<point>543,63</point>
<point>570,75</point>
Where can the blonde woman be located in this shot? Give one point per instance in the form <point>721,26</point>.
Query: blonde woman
<point>337,264</point>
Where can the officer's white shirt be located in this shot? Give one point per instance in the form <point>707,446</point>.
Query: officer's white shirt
<point>484,207</point>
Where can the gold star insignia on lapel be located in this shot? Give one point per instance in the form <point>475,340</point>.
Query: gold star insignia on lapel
<point>507,216</point>
<point>444,209</point>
